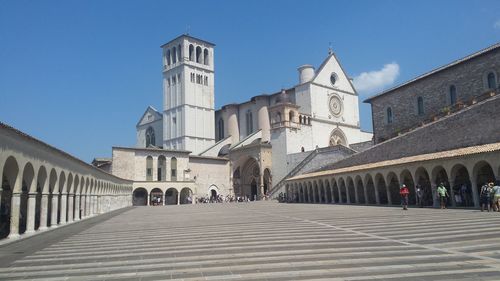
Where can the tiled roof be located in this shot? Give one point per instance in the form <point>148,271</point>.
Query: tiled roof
<point>406,160</point>
<point>436,70</point>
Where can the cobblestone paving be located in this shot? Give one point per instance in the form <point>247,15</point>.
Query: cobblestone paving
<point>271,241</point>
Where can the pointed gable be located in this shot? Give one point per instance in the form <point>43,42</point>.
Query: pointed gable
<point>150,115</point>
<point>330,66</point>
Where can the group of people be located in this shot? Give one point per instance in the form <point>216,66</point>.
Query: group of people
<point>489,196</point>
<point>223,199</point>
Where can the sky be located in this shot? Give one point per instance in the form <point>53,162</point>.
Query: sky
<point>78,75</point>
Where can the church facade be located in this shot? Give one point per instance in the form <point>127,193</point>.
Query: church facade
<point>250,146</point>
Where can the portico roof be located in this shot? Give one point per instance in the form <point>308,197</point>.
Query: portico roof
<point>471,150</point>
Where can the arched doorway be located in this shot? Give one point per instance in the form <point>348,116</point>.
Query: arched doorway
<point>140,197</point>
<point>267,181</point>
<point>360,190</point>
<point>393,186</point>
<point>407,180</point>
<point>171,196</point>
<point>253,190</point>
<point>186,196</point>
<point>423,181</point>
<point>381,189</point>
<point>440,176</point>
<point>156,197</point>
<point>461,186</point>
<point>483,173</point>
<point>351,192</point>
<point>370,190</point>
<point>343,193</point>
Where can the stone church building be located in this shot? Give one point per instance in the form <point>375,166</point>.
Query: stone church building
<point>190,150</point>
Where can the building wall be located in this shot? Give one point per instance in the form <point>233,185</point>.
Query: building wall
<point>468,78</point>
<point>472,126</point>
<point>210,174</point>
<point>157,126</point>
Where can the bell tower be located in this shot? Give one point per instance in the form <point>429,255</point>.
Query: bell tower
<point>188,94</point>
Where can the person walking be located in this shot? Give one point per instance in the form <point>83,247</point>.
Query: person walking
<point>443,194</point>
<point>495,194</point>
<point>485,197</point>
<point>403,191</point>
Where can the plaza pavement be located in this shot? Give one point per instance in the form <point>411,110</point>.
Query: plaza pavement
<point>263,241</point>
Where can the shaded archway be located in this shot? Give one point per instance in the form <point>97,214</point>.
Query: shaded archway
<point>329,193</point>
<point>360,190</point>
<point>27,181</point>
<point>342,188</point>
<point>461,184</point>
<point>371,192</point>
<point>422,180</point>
<point>439,176</point>
<point>171,196</point>
<point>381,188</point>
<point>407,179</point>
<point>156,197</point>
<point>186,196</point>
<point>316,192</point>
<point>9,178</point>
<point>40,185</point>
<point>393,187</point>
<point>351,192</point>
<point>253,190</point>
<point>336,192</point>
<point>482,173</point>
<point>140,197</point>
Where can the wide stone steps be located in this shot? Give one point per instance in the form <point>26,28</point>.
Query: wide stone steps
<point>270,241</point>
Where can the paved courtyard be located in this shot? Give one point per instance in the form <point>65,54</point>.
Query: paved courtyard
<point>264,241</point>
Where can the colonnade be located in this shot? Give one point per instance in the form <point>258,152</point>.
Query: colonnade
<point>379,184</point>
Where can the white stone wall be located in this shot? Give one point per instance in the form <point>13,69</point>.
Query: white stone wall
<point>210,174</point>
<point>157,127</point>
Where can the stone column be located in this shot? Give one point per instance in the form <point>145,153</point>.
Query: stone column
<point>44,207</point>
<point>148,199</point>
<point>14,213</point>
<point>356,198</point>
<point>64,202</point>
<point>178,198</point>
<point>332,193</point>
<point>475,193</point>
<point>53,215</point>
<point>71,198</point>
<point>30,220</point>
<point>377,197</point>
<point>77,207</point>
<point>347,194</point>
<point>340,194</point>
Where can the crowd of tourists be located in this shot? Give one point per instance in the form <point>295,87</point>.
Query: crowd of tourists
<point>489,196</point>
<point>223,199</point>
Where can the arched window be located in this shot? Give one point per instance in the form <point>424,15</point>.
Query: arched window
<point>179,54</point>
<point>453,95</point>
<point>420,106</point>
<point>302,149</point>
<point>205,57</point>
<point>221,129</point>
<point>337,137</point>
<point>492,83</point>
<point>168,57</point>
<point>173,169</point>
<point>162,168</point>
<point>389,115</point>
<point>149,168</point>
<point>206,81</point>
<point>174,55</point>
<point>249,122</point>
<point>290,116</point>
<point>278,117</point>
<point>150,137</point>
<point>198,54</point>
<point>309,120</point>
<point>191,52</point>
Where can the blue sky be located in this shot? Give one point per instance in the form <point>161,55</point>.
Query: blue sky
<point>79,74</point>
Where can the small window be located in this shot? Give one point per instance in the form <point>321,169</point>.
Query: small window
<point>492,83</point>
<point>168,57</point>
<point>174,55</point>
<point>206,81</point>
<point>453,95</point>
<point>173,80</point>
<point>389,116</point>
<point>191,52</point>
<point>420,106</point>
<point>249,122</point>
<point>150,137</point>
